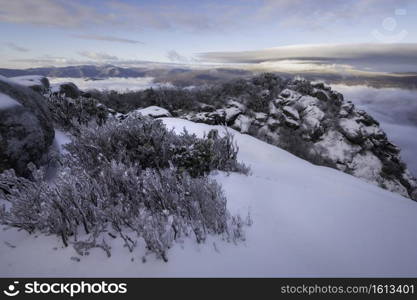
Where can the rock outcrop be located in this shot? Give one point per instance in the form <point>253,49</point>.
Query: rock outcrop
<point>317,124</point>
<point>151,111</point>
<point>26,131</point>
<point>67,89</point>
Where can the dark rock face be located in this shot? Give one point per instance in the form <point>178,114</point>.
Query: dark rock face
<point>317,124</point>
<point>70,90</point>
<point>26,131</point>
<point>42,87</point>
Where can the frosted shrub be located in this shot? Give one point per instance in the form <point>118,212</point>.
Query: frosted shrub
<point>125,180</point>
<point>149,144</point>
<point>69,113</point>
<point>158,206</point>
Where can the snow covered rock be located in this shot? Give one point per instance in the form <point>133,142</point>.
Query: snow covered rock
<point>242,123</point>
<point>68,89</point>
<point>351,130</point>
<point>291,112</point>
<point>224,116</point>
<point>26,130</point>
<point>317,120</point>
<point>151,111</point>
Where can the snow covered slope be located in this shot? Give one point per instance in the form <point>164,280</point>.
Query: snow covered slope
<point>7,102</point>
<point>28,80</point>
<point>307,221</point>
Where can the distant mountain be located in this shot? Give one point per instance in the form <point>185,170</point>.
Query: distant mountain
<point>179,76</point>
<point>183,75</point>
<point>77,71</point>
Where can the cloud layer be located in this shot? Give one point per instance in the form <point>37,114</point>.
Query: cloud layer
<point>100,56</point>
<point>371,57</point>
<point>16,47</point>
<point>106,38</point>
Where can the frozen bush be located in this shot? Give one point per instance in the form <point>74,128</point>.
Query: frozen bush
<point>127,179</point>
<point>69,113</point>
<point>149,144</point>
<point>157,206</point>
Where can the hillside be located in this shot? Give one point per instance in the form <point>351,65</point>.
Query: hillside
<point>307,221</point>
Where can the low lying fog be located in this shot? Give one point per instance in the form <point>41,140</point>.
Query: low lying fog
<point>111,83</point>
<point>395,109</point>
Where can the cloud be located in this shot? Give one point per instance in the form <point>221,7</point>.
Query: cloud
<point>367,57</point>
<point>16,47</point>
<point>57,13</point>
<point>137,16</point>
<point>174,56</point>
<point>325,14</point>
<point>46,61</point>
<point>100,56</point>
<point>106,38</point>
<point>202,16</point>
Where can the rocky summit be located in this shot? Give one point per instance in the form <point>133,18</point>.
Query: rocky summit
<point>316,123</point>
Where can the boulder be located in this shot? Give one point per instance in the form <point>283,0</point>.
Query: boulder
<point>151,111</point>
<point>321,95</point>
<point>26,131</point>
<point>69,89</point>
<point>291,112</point>
<point>351,130</point>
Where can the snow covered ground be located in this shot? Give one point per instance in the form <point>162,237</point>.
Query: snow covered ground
<point>111,83</point>
<point>28,80</point>
<point>307,221</point>
<point>7,102</point>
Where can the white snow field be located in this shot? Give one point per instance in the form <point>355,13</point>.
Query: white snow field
<point>7,102</point>
<point>307,221</point>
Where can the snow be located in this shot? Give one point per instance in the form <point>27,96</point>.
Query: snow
<point>7,102</point>
<point>28,80</point>
<point>152,111</point>
<point>312,117</point>
<point>367,166</point>
<point>307,221</point>
<point>291,122</point>
<point>350,126</point>
<point>111,83</point>
<point>291,112</point>
<point>236,104</point>
<point>337,147</point>
<point>260,116</point>
<point>289,95</point>
<point>61,139</point>
<point>243,122</point>
<point>230,112</point>
<point>313,112</point>
<point>306,101</point>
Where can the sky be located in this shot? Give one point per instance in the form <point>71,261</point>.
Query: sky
<point>366,35</point>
